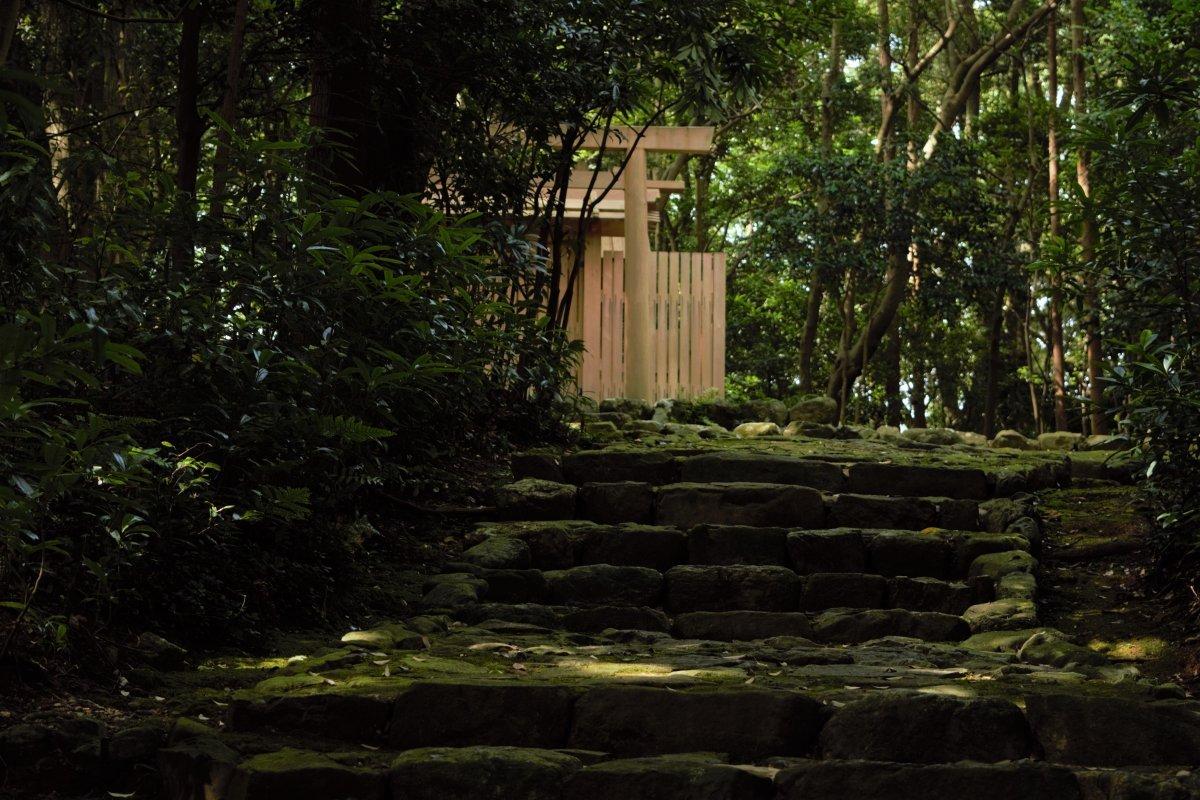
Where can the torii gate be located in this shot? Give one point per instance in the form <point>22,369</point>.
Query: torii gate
<point>639,323</point>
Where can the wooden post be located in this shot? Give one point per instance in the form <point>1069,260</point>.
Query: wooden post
<point>639,326</point>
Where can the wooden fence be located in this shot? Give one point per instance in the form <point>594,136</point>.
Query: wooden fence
<point>688,311</point>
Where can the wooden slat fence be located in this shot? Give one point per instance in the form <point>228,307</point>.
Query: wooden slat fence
<point>688,312</point>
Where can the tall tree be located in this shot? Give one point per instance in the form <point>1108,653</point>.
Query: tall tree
<point>1088,232</point>
<point>1057,355</point>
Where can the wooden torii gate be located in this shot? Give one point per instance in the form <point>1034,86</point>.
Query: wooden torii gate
<point>647,296</point>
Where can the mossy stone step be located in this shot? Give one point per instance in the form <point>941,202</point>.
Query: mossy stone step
<point>873,780</point>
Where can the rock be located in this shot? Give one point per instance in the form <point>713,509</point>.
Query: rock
<point>541,464</point>
<point>1115,732</point>
<point>357,718</point>
<point>632,545</point>
<point>499,552</point>
<point>996,514</point>
<point>968,547</point>
<point>429,714</point>
<point>853,627</point>
<point>814,408</point>
<point>1013,440</point>
<point>770,410</point>
<point>927,729</point>
<point>762,468</point>
<point>690,776</point>
<point>824,590</point>
<point>1017,586</point>
<point>611,466</point>
<point>625,405</point>
<point>751,430</point>
<point>599,618</point>
<point>863,780</point>
<point>625,501</point>
<point>715,432</point>
<point>889,433</point>
<point>939,436</point>
<point>1102,442</point>
<point>731,588</point>
<point>872,511</point>
<point>813,430</point>
<point>688,504</point>
<point>1001,615</point>
<point>662,411</point>
<point>385,637</point>
<point>1028,529</point>
<point>747,724</point>
<point>605,585</point>
<point>834,550</point>
<point>737,544</point>
<point>454,590</point>
<point>617,418</point>
<point>997,565</point>
<point>531,498</point>
<point>601,431</point>
<point>929,594</point>
<point>973,439</point>
<point>684,429</point>
<point>729,626</point>
<point>1059,440</point>
<point>551,542</point>
<point>908,553</point>
<point>302,774</point>
<point>518,613</point>
<point>917,481</point>
<point>196,769</point>
<point>436,773</point>
<point>957,514</point>
<point>1054,650</point>
<point>159,653</point>
<point>645,426</point>
<point>515,585</point>
<point>1004,641</point>
<point>136,745</point>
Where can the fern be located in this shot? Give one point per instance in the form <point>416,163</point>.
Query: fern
<point>350,430</point>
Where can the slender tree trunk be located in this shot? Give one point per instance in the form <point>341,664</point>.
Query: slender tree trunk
<point>229,104</point>
<point>1087,230</point>
<point>10,14</point>
<point>816,290</point>
<point>992,390</point>
<point>812,320</point>
<point>891,377</point>
<point>188,128</point>
<point>1057,356</point>
<point>917,397</point>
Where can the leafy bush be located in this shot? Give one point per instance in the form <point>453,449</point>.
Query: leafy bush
<point>197,443</point>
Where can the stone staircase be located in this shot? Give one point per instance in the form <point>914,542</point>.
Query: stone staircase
<point>726,623</point>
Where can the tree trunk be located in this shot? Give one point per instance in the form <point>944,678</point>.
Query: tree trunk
<point>10,14</point>
<point>992,387</point>
<point>891,378</point>
<point>812,320</point>
<point>188,129</point>
<point>816,289</point>
<point>1087,229</point>
<point>917,397</point>
<point>229,104</point>
<point>342,81</point>
<point>1057,356</point>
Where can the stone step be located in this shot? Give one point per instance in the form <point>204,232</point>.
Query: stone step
<point>746,723</point>
<point>207,768</point>
<point>714,588</point>
<point>831,626</point>
<point>863,477</point>
<point>687,505</point>
<point>556,545</point>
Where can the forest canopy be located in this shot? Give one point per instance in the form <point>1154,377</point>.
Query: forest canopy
<point>272,271</point>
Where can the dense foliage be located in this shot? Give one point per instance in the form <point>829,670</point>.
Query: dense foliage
<point>270,275</point>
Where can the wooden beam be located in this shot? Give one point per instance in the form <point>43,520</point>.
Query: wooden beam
<point>695,139</point>
<point>582,178</point>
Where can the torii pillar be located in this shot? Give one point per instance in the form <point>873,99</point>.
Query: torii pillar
<point>639,260</point>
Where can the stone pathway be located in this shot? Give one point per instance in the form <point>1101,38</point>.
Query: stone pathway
<point>746,619</point>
